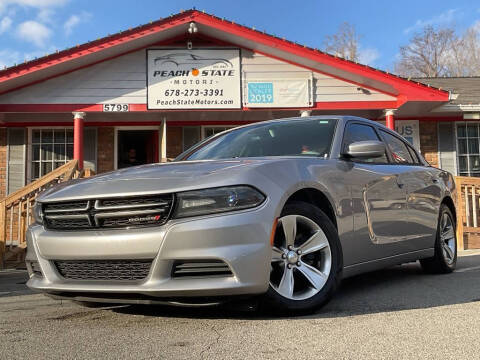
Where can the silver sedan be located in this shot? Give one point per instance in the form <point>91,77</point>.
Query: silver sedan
<point>280,210</point>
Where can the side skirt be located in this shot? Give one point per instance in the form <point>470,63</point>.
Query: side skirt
<point>373,265</point>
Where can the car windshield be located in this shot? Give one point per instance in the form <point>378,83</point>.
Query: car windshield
<point>312,137</point>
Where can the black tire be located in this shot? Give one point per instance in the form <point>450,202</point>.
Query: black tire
<point>272,300</point>
<point>439,264</point>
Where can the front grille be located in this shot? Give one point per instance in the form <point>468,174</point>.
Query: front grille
<point>103,269</point>
<point>200,268</point>
<point>108,213</point>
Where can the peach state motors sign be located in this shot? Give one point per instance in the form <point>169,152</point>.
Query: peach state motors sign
<point>193,79</point>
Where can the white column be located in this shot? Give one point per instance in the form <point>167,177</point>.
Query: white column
<point>389,118</point>
<point>163,140</point>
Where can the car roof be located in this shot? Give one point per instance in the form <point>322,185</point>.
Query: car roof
<point>343,118</point>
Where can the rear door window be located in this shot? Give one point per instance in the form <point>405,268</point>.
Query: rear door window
<point>398,149</point>
<point>413,153</point>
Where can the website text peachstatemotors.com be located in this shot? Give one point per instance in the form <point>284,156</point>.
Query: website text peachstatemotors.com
<point>171,102</point>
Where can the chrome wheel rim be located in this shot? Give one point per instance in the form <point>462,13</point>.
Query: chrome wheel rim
<point>301,258</point>
<point>447,238</point>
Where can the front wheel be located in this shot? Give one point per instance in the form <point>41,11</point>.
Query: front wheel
<point>306,259</point>
<point>444,260</point>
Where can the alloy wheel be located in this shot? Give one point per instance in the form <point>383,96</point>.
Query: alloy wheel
<point>447,238</point>
<point>301,258</point>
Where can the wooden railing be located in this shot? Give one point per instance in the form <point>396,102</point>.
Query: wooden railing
<point>468,212</point>
<point>16,211</point>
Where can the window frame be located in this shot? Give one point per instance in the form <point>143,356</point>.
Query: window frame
<point>29,147</point>
<point>375,130</point>
<point>29,161</point>
<point>407,145</point>
<point>417,157</point>
<point>203,129</point>
<point>469,171</point>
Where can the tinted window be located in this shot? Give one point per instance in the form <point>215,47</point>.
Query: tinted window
<point>360,132</point>
<point>282,138</point>
<point>398,149</point>
<point>414,155</point>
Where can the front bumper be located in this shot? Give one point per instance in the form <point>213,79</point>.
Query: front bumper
<point>239,239</point>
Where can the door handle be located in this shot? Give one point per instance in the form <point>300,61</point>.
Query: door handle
<point>435,180</point>
<point>399,184</point>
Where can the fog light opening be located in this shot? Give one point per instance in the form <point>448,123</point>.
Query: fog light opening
<point>34,269</point>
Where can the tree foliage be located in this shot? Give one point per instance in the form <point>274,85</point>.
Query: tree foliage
<point>344,43</point>
<point>440,52</point>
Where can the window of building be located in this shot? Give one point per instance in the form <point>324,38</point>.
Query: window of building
<point>213,130</point>
<point>468,136</point>
<point>51,148</point>
<point>191,136</point>
<point>195,134</point>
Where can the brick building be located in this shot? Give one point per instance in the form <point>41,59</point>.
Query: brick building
<point>155,90</point>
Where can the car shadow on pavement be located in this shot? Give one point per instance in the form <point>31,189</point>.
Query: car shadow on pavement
<point>12,283</point>
<point>397,288</point>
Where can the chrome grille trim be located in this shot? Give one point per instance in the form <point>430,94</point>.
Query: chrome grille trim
<point>149,210</point>
<point>128,213</point>
<point>62,208</point>
<point>99,206</point>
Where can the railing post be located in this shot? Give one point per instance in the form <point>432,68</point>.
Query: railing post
<point>2,233</point>
<point>460,208</point>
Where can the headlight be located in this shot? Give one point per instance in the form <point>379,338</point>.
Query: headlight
<point>37,213</point>
<point>217,200</point>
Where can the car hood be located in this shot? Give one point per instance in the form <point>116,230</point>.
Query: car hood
<point>157,178</point>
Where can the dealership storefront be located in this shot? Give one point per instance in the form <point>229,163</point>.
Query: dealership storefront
<point>146,94</point>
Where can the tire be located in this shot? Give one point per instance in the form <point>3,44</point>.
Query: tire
<point>443,261</point>
<point>322,254</point>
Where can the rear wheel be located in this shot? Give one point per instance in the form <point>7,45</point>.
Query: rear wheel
<point>444,260</point>
<point>306,259</point>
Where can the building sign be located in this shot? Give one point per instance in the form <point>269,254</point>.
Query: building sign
<point>277,90</point>
<point>116,107</point>
<point>193,79</point>
<point>260,93</point>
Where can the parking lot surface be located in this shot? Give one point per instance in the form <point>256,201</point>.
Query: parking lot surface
<point>397,313</point>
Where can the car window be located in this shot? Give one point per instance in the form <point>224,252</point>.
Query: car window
<point>312,138</point>
<point>360,132</point>
<point>398,149</point>
<point>414,155</point>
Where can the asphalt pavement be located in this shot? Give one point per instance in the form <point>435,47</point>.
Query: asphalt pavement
<point>397,313</point>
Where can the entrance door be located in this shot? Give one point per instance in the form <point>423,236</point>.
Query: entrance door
<point>137,147</point>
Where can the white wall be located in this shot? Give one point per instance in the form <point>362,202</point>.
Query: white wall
<point>123,80</point>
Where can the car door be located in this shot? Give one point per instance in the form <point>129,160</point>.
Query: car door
<point>423,194</point>
<point>378,201</point>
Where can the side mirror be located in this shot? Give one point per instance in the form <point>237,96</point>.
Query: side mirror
<point>365,149</point>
